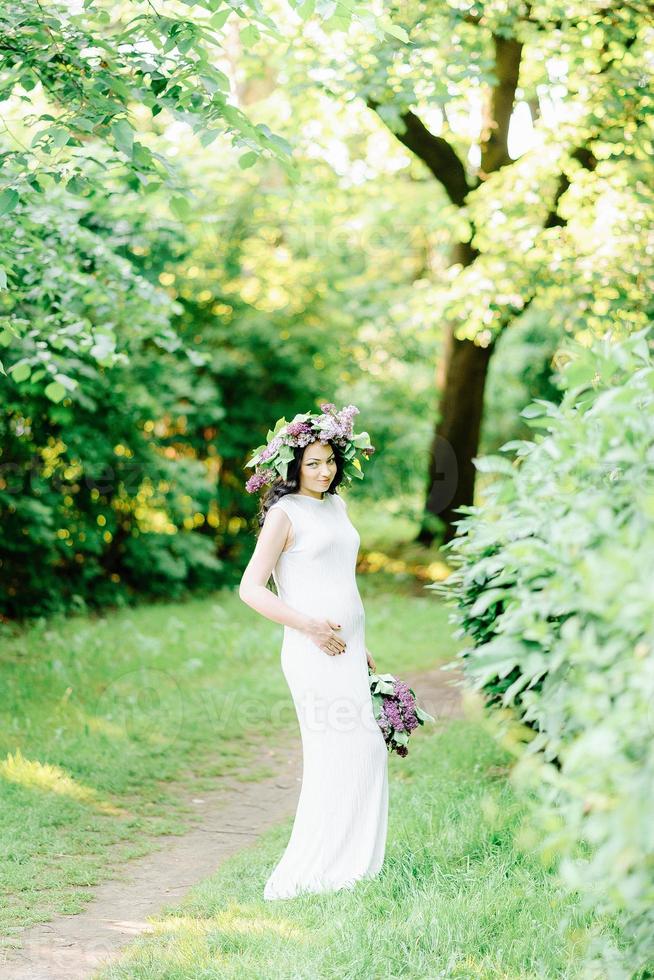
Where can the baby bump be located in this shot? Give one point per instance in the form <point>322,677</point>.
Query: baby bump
<point>338,606</point>
<point>335,687</point>
<point>348,626</point>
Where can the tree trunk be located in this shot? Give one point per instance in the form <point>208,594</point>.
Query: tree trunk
<point>451,474</point>
<point>461,380</point>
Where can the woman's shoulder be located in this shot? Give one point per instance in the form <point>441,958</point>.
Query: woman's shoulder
<point>282,504</point>
<point>290,506</point>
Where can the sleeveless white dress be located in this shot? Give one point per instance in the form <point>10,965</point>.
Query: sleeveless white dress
<point>339,831</point>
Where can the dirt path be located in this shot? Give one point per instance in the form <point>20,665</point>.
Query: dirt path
<point>233,815</point>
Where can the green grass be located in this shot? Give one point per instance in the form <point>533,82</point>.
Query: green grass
<point>103,718</point>
<point>457,896</point>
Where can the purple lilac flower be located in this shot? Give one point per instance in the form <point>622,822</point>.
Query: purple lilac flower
<point>392,712</point>
<point>256,481</point>
<point>403,694</point>
<point>299,433</point>
<point>407,705</point>
<point>330,428</point>
<point>298,428</point>
<point>406,694</point>
<point>346,418</point>
<point>410,721</point>
<point>271,448</point>
<point>335,426</point>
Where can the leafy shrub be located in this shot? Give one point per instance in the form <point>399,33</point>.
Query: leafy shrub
<point>97,478</point>
<point>553,588</point>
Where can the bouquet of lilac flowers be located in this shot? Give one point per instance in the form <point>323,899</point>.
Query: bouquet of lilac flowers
<point>396,710</point>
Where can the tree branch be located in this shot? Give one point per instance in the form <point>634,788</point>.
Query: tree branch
<point>499,106</point>
<point>583,156</point>
<point>436,153</point>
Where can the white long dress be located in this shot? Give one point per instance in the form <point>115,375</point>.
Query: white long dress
<point>339,831</point>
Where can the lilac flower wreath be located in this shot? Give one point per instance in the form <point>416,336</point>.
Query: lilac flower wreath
<point>271,460</point>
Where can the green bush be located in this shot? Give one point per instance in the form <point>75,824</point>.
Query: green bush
<point>102,498</point>
<point>553,588</point>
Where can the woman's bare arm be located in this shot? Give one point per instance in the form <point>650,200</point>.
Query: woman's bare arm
<point>252,589</point>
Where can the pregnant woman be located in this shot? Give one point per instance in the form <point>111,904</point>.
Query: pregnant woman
<point>309,546</point>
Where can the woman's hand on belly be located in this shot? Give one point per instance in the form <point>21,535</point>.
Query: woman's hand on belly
<point>323,633</point>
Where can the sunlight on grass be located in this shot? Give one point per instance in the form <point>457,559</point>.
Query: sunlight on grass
<point>236,918</point>
<point>52,779</point>
<point>235,921</point>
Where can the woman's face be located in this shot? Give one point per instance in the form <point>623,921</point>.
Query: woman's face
<point>318,467</point>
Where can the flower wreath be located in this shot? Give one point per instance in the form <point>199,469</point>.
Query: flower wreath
<point>271,460</point>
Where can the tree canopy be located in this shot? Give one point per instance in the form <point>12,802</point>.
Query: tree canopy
<point>472,181</point>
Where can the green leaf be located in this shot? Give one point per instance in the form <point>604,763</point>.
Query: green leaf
<point>207,136</point>
<point>78,185</point>
<point>384,687</point>
<point>247,160</point>
<point>513,444</point>
<point>493,464</point>
<point>486,600</point>
<point>9,198</point>
<point>55,391</point>
<point>85,123</point>
<point>535,409</point>
<point>180,206</point>
<point>123,135</point>
<point>20,372</point>
<point>119,87</point>
<point>396,31</point>
<point>218,20</point>
<point>59,136</point>
<point>249,35</point>
<point>141,156</point>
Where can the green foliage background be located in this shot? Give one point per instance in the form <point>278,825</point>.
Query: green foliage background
<point>552,591</point>
<point>163,298</point>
